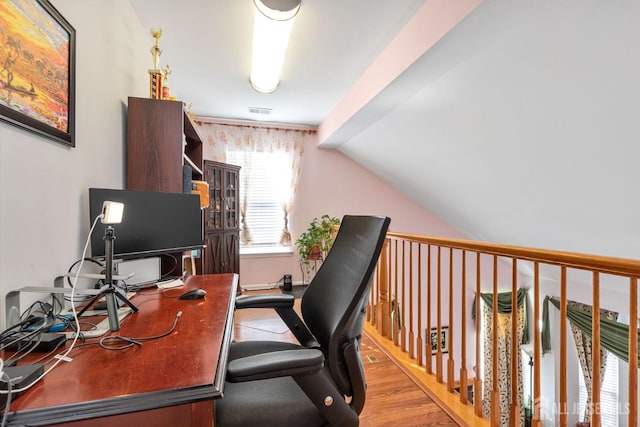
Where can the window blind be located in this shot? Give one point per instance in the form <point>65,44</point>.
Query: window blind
<point>609,410</point>
<point>264,214</point>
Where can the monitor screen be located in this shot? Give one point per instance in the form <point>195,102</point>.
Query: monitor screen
<point>152,222</point>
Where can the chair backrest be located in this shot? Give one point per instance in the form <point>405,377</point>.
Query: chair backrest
<point>333,304</point>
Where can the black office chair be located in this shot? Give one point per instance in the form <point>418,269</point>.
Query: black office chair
<point>319,382</point>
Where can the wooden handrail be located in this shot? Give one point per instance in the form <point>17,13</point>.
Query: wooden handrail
<point>603,264</point>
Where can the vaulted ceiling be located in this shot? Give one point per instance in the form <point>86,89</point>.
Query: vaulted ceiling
<point>515,125</point>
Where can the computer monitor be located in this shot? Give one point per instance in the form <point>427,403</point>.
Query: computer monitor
<point>153,223</point>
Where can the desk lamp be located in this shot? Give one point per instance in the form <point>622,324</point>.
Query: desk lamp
<point>111,214</point>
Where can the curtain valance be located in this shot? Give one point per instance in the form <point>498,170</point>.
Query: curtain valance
<point>614,336</point>
<point>504,306</point>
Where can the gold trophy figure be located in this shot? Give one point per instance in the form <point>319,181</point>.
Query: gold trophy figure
<point>155,74</point>
<point>166,71</point>
<point>155,49</point>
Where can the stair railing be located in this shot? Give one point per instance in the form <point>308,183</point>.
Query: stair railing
<point>422,281</point>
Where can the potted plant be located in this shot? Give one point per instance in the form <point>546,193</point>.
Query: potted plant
<point>314,243</point>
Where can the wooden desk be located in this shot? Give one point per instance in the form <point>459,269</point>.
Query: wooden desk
<point>171,381</point>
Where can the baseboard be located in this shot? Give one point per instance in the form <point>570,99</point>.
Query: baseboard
<point>266,286</point>
<point>260,286</point>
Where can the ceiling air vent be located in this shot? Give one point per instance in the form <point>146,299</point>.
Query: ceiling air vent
<point>260,110</point>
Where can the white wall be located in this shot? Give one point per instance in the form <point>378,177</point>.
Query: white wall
<point>44,216</point>
<point>525,130</point>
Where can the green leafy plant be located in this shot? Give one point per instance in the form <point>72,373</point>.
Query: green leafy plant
<point>317,237</point>
<point>314,243</point>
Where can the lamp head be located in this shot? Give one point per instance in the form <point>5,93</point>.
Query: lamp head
<point>111,212</point>
<point>278,10</point>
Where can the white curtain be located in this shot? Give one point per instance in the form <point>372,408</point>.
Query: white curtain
<point>287,146</point>
<point>585,353</point>
<point>505,358</point>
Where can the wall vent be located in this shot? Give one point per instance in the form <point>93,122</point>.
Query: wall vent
<point>260,110</point>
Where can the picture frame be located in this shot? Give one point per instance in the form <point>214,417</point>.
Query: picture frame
<point>37,69</point>
<point>444,339</point>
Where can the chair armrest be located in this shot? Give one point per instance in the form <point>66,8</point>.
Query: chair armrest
<point>275,364</point>
<point>265,301</point>
<point>283,305</point>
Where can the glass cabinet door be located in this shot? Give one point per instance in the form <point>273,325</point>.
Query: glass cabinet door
<point>222,212</point>
<point>231,197</point>
<point>214,179</point>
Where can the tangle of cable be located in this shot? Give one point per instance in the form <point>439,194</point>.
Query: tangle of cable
<point>62,355</point>
<point>108,343</point>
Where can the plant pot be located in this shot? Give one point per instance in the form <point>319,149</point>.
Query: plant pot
<point>314,254</point>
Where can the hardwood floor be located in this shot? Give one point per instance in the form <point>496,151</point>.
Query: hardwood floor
<point>393,399</point>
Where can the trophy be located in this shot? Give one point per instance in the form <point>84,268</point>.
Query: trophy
<point>155,74</point>
<point>165,82</point>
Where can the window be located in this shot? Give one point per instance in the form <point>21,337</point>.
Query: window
<point>271,159</point>
<point>608,394</point>
<point>264,215</point>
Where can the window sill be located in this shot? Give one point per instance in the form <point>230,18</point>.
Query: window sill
<point>272,251</point>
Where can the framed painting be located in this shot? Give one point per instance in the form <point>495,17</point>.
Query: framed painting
<point>37,69</point>
<point>444,339</point>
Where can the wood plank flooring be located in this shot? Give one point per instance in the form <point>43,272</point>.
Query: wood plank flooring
<point>393,399</point>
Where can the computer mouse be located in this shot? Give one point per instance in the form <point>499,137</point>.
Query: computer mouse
<point>194,294</point>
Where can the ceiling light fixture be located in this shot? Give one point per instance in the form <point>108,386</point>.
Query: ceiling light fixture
<point>272,23</point>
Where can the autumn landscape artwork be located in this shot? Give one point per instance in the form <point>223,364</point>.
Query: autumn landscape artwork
<point>34,63</point>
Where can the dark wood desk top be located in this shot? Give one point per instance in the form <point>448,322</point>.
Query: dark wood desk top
<point>186,366</point>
